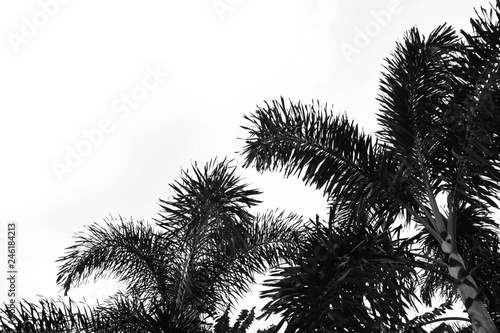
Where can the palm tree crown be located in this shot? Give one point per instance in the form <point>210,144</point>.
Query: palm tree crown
<point>439,141</point>
<point>202,254</point>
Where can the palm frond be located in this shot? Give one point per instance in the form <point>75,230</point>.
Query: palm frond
<point>436,315</point>
<point>131,251</point>
<point>440,111</point>
<point>270,243</point>
<point>213,198</point>
<point>299,138</point>
<point>414,89</point>
<point>273,237</point>
<point>327,151</point>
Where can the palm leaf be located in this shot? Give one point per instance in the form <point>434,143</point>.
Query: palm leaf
<point>133,252</point>
<point>327,151</point>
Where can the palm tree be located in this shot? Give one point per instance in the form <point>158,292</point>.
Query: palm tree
<point>439,145</point>
<point>221,243</point>
<point>202,254</point>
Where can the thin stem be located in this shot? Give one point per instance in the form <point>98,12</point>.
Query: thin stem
<point>444,319</point>
<point>452,219</point>
<point>426,211</point>
<point>429,267</point>
<point>436,261</point>
<point>440,226</point>
<point>426,225</point>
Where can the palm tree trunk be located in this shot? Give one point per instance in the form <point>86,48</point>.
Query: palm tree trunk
<point>480,318</point>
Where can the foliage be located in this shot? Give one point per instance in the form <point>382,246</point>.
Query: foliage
<point>344,279</point>
<point>437,315</point>
<point>241,325</point>
<point>218,238</point>
<point>200,257</point>
<point>439,141</point>
<point>51,316</point>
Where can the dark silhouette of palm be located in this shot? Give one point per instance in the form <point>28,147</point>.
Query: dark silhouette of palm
<point>346,277</point>
<point>434,162</point>
<point>203,253</point>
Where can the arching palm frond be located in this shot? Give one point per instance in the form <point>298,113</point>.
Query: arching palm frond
<point>449,324</point>
<point>308,141</point>
<point>271,242</point>
<point>273,237</point>
<point>414,90</point>
<point>327,151</point>
<point>134,252</point>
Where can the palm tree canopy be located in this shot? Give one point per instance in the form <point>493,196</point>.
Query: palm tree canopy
<point>203,254</point>
<point>439,143</point>
<point>440,131</point>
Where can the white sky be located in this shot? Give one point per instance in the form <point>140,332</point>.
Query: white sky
<point>69,76</point>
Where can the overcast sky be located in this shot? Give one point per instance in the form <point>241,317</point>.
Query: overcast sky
<point>103,103</point>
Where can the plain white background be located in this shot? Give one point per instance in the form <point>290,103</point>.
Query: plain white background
<point>67,68</point>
